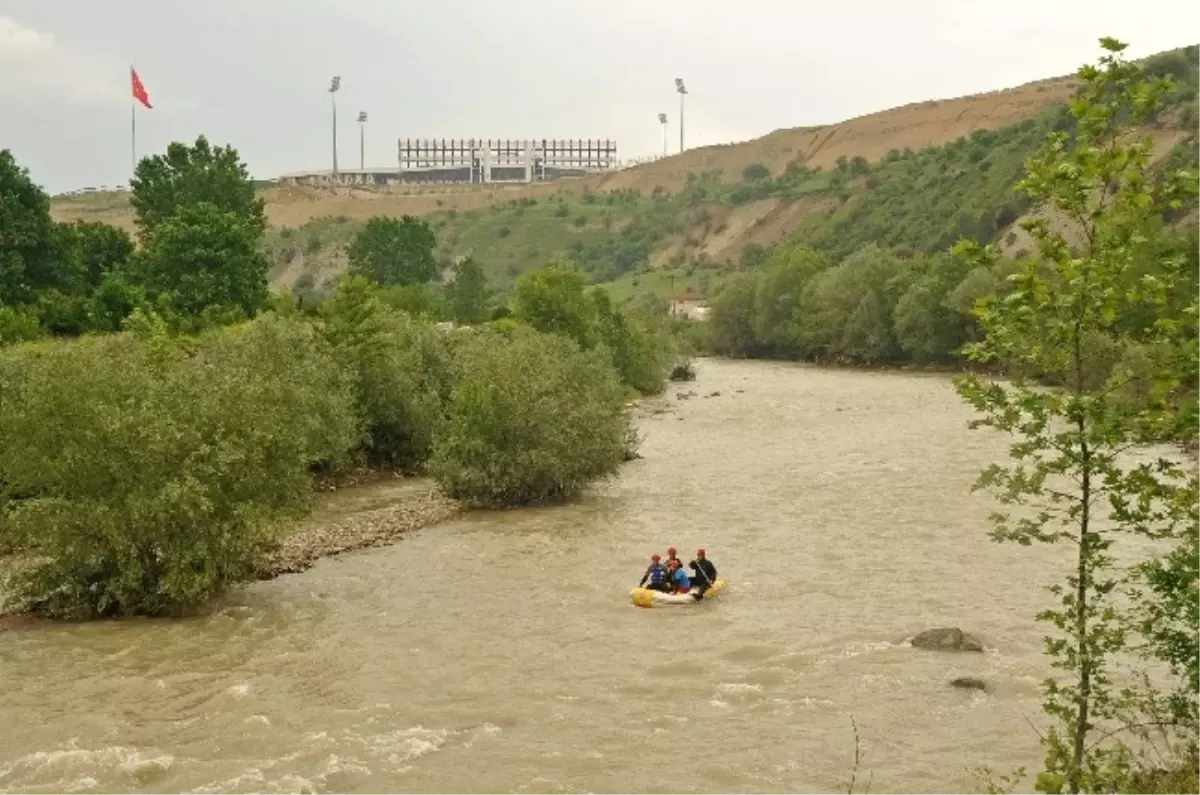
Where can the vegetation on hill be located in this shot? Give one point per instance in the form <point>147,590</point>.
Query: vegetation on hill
<point>892,293</point>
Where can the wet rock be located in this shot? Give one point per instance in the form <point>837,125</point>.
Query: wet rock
<point>969,683</point>
<point>946,639</point>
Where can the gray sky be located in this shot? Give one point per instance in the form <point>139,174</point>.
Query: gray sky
<point>254,73</point>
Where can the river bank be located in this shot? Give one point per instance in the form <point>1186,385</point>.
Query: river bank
<point>412,504</point>
<point>370,528</point>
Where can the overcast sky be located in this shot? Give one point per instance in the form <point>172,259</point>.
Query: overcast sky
<point>254,73</point>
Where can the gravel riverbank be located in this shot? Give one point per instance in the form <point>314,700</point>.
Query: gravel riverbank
<point>302,549</point>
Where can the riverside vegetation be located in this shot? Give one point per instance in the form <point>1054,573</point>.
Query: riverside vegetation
<point>163,416</point>
<point>1105,313</point>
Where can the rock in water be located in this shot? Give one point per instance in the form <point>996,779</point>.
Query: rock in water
<point>969,683</point>
<point>946,639</point>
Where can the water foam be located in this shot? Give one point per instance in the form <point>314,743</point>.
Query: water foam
<point>73,767</point>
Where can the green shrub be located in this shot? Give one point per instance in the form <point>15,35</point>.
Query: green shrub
<point>142,475</point>
<point>755,172</point>
<point>531,418</point>
<point>18,325</point>
<point>400,371</point>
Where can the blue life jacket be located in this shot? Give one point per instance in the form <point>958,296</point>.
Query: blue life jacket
<point>680,578</point>
<point>658,573</point>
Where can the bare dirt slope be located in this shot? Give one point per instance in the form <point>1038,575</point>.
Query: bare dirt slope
<point>912,126</point>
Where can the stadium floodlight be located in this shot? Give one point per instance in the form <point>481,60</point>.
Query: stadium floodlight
<point>682,89</point>
<point>362,125</point>
<point>334,85</point>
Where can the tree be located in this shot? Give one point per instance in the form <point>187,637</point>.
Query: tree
<point>30,257</point>
<point>532,418</point>
<point>98,248</point>
<point>928,327</point>
<point>190,175</point>
<point>202,257</point>
<point>1065,305</point>
<point>394,251</point>
<point>553,300</point>
<point>846,311</point>
<point>777,313</point>
<point>641,351</point>
<point>468,295</point>
<point>731,320</point>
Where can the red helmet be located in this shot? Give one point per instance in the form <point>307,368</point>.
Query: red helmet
<point>700,552</point>
<point>655,557</point>
<point>671,551</point>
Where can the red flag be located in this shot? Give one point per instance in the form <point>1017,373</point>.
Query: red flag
<point>139,90</point>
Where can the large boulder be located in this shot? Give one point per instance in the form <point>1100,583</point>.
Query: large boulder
<point>946,639</point>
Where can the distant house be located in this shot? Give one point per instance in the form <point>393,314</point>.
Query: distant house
<point>689,306</point>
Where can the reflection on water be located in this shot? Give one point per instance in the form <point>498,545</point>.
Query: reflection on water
<point>499,652</point>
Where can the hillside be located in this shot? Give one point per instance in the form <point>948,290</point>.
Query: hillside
<point>914,176</point>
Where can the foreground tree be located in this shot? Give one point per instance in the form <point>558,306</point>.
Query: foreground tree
<point>29,256</point>
<point>204,257</point>
<point>96,249</point>
<point>394,251</point>
<point>189,175</point>
<point>531,418</point>
<point>1062,321</point>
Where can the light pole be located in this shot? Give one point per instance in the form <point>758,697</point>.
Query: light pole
<point>682,93</point>
<point>362,125</point>
<point>662,119</point>
<point>333,87</point>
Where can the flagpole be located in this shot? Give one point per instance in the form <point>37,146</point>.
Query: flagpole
<point>132,130</point>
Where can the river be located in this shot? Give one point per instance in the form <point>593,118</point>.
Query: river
<point>499,652</point>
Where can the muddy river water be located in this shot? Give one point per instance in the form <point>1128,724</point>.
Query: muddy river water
<point>499,652</point>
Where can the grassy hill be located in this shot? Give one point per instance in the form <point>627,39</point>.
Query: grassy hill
<point>914,177</point>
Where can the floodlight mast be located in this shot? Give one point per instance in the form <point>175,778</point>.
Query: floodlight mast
<point>679,86</point>
<point>662,119</point>
<point>362,125</point>
<point>334,85</point>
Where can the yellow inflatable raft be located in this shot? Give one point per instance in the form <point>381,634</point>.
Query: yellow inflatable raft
<point>644,597</point>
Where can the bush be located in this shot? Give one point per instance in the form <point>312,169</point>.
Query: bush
<point>531,418</point>
<point>142,475</point>
<point>17,325</point>
<point>683,371</point>
<point>400,372</point>
<point>755,172</point>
